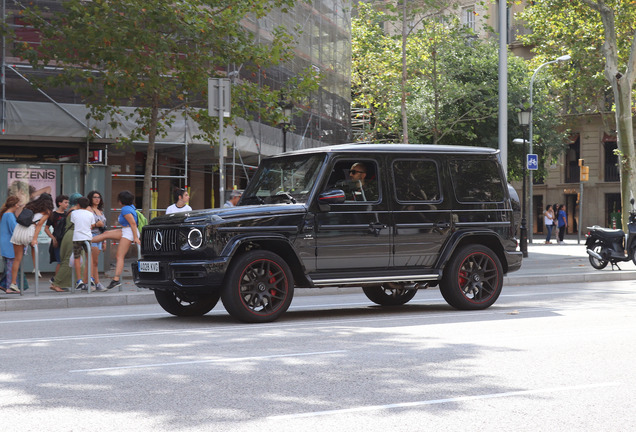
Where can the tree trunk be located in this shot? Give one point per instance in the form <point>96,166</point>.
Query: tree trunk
<point>405,125</point>
<point>625,137</point>
<point>622,84</point>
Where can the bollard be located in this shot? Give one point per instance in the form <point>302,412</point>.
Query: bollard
<point>89,265</point>
<point>37,270</point>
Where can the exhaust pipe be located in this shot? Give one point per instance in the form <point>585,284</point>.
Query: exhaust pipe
<point>591,253</point>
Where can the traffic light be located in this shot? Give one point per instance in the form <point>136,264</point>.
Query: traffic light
<point>585,173</point>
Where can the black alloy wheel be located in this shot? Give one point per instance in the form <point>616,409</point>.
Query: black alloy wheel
<point>389,294</point>
<point>258,288</point>
<point>473,278</point>
<point>187,305</point>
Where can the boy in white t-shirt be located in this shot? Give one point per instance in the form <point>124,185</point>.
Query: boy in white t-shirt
<point>83,221</point>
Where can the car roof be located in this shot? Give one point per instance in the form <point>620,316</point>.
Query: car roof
<point>396,148</point>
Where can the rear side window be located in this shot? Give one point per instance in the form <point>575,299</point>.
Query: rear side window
<point>416,180</point>
<point>477,181</point>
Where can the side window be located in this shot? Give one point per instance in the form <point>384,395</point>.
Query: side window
<point>416,180</point>
<point>358,178</point>
<point>477,181</point>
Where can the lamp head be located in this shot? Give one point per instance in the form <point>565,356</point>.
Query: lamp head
<point>564,57</point>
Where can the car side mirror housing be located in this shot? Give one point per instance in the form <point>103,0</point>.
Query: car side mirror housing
<point>334,196</point>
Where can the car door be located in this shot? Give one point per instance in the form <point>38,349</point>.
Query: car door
<point>421,213</point>
<point>354,235</point>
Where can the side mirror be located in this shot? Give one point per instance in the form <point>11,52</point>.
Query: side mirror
<point>334,196</point>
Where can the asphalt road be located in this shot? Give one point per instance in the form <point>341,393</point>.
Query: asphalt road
<point>543,358</point>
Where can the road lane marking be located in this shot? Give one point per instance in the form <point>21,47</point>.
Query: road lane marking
<point>440,401</point>
<point>220,360</point>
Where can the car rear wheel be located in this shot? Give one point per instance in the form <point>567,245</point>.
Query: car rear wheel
<point>187,305</point>
<point>473,278</point>
<point>389,294</point>
<point>259,287</point>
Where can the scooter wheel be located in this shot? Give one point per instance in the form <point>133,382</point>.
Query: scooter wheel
<point>597,263</point>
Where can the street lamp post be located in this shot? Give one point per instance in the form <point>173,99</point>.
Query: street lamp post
<point>558,59</point>
<point>524,121</point>
<point>287,107</point>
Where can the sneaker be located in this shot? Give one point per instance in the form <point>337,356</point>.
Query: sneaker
<point>52,279</point>
<point>79,285</point>
<point>93,285</point>
<point>114,284</point>
<point>99,287</point>
<point>39,274</point>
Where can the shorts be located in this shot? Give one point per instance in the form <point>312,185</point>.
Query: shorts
<point>79,246</point>
<point>97,245</point>
<point>23,235</point>
<point>126,232</point>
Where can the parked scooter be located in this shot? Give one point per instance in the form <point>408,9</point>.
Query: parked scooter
<point>605,245</point>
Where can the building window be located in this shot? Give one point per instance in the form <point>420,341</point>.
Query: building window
<point>612,173</point>
<point>468,17</point>
<point>572,172</point>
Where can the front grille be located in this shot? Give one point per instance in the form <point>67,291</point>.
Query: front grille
<point>155,240</point>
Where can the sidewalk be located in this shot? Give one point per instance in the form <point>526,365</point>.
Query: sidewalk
<point>546,264</point>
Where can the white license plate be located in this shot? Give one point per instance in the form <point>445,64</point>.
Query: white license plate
<point>148,266</point>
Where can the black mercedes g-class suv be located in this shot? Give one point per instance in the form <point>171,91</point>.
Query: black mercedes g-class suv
<point>390,218</point>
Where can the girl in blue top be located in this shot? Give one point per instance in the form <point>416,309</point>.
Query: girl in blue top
<point>127,234</point>
<point>7,225</point>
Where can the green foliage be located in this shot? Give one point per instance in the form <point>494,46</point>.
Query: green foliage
<point>452,90</point>
<point>571,27</point>
<point>155,54</point>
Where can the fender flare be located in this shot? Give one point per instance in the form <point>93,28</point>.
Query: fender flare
<point>486,238</point>
<point>276,243</point>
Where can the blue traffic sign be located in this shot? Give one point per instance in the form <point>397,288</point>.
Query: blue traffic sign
<point>532,162</point>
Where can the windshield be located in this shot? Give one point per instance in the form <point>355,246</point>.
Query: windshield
<point>283,180</point>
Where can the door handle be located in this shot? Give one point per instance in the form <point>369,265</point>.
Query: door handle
<point>442,225</point>
<point>375,228</point>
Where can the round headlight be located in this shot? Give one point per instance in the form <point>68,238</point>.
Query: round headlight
<point>195,238</point>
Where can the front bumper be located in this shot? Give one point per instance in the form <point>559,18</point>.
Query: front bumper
<point>182,275</point>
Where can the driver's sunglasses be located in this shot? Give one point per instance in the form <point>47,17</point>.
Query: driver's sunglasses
<point>356,172</point>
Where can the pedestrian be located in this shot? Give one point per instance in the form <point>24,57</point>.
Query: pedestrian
<point>62,280</point>
<point>83,220</point>
<point>548,221</point>
<point>562,220</point>
<point>126,235</point>
<point>56,221</point>
<point>96,206</point>
<point>181,198</point>
<point>235,196</point>
<point>7,225</point>
<point>23,236</point>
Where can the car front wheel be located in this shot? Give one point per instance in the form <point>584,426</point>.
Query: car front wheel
<point>258,288</point>
<point>473,278</point>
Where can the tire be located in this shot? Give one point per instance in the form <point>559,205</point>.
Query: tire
<point>386,295</point>
<point>187,305</point>
<point>473,278</point>
<point>597,263</point>
<point>258,288</point>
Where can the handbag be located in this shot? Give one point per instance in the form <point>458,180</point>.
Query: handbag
<point>25,218</point>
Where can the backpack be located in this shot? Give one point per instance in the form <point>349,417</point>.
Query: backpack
<point>141,220</point>
<point>25,218</point>
<point>59,229</point>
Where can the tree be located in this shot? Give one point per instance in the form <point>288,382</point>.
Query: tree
<point>156,57</point>
<point>600,37</point>
<point>452,87</point>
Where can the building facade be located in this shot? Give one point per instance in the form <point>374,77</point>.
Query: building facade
<point>47,129</point>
